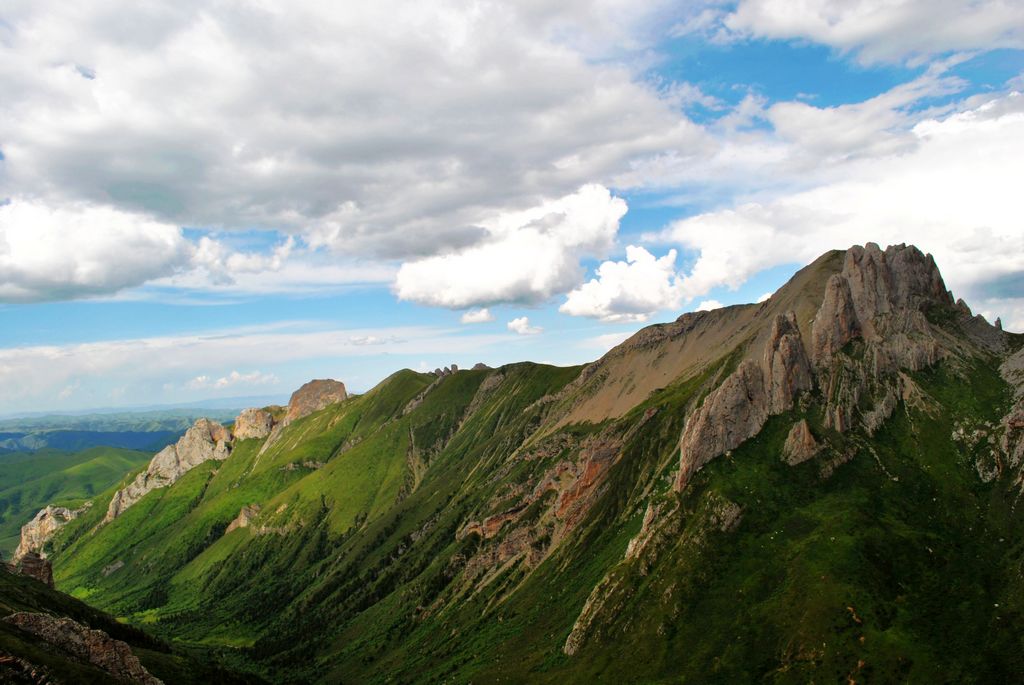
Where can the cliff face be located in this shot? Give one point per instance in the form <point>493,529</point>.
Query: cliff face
<point>879,298</point>
<point>314,396</point>
<point>203,441</point>
<point>252,423</point>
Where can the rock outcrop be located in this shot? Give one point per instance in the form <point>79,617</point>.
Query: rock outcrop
<point>244,518</point>
<point>204,441</point>
<point>86,644</point>
<point>34,566</point>
<point>800,444</point>
<point>252,423</point>
<point>37,532</point>
<point>312,397</point>
<point>881,298</point>
<point>738,409</point>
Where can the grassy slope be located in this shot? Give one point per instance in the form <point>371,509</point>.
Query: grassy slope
<point>18,593</point>
<point>30,481</point>
<point>890,569</point>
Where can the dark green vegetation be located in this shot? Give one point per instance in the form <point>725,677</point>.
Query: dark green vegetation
<point>18,593</point>
<point>462,529</point>
<point>30,481</point>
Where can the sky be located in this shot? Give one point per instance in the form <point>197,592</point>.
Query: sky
<point>217,199</point>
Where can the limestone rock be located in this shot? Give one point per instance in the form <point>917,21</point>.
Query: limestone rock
<point>253,423</point>
<point>800,444</point>
<point>37,532</point>
<point>786,365</point>
<point>480,366</point>
<point>314,396</point>
<point>204,441</point>
<point>35,566</point>
<point>92,646</point>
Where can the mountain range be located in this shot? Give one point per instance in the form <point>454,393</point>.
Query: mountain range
<point>821,487</point>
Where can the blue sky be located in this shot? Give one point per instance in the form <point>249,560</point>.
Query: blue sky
<point>227,201</point>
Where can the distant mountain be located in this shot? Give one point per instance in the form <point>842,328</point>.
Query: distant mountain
<point>822,487</point>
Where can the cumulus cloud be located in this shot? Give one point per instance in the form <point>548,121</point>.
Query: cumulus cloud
<point>528,257</point>
<point>482,315</point>
<point>234,378</point>
<point>389,130</point>
<point>173,368</point>
<point>521,326</point>
<point>83,250</point>
<point>708,305</point>
<point>629,290</point>
<point>880,31</point>
<point>954,193</point>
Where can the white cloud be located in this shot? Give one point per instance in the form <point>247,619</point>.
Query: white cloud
<point>764,297</point>
<point>385,130</point>
<point>954,193</point>
<point>521,326</point>
<point>605,341</point>
<point>84,250</point>
<point>482,315</point>
<point>174,368</point>
<point>628,290</point>
<point>708,305</point>
<point>528,257</point>
<point>233,379</point>
<point>884,31</point>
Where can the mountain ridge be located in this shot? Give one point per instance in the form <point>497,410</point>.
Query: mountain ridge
<point>520,522</point>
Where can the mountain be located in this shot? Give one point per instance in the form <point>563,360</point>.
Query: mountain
<point>818,488</point>
<point>31,481</point>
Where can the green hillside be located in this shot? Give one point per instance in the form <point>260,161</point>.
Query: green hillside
<point>30,481</point>
<point>521,524</point>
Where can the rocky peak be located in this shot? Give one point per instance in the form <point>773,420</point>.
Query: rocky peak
<point>47,521</point>
<point>314,396</point>
<point>204,441</point>
<point>878,296</point>
<point>253,423</point>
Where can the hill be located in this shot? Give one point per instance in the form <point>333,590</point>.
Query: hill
<point>30,481</point>
<point>820,487</point>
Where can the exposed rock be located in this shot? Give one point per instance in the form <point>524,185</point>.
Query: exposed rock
<point>34,566</point>
<point>84,643</point>
<point>836,322</point>
<point>480,366</point>
<point>204,441</point>
<point>18,671</point>
<point>740,406</point>
<point>800,444</point>
<point>244,518</point>
<point>37,532</point>
<point>112,568</point>
<point>312,397</point>
<point>491,525</point>
<point>253,423</point>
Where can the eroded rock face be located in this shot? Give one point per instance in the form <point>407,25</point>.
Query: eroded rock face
<point>204,441</point>
<point>35,566</point>
<point>800,444</point>
<point>92,646</point>
<point>37,532</point>
<point>253,423</point>
<point>314,396</point>
<point>740,406</point>
<point>879,297</point>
